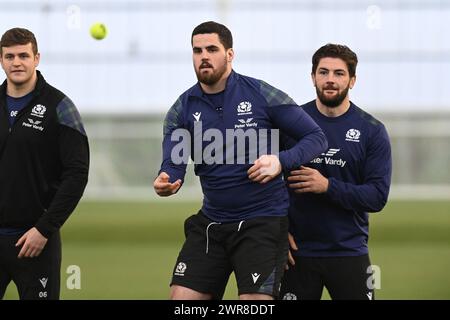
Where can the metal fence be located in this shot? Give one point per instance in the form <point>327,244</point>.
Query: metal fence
<point>126,156</point>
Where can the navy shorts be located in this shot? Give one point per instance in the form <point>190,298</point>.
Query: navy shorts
<point>36,278</point>
<point>346,278</point>
<point>255,249</point>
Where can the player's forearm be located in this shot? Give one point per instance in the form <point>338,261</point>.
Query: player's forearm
<point>173,163</point>
<point>304,151</point>
<point>298,125</point>
<point>64,202</point>
<point>74,153</point>
<point>362,198</point>
<point>175,172</point>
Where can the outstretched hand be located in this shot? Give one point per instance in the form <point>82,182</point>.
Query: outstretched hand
<point>163,187</point>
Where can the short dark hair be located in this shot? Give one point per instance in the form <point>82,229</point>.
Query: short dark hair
<point>223,32</point>
<point>18,36</point>
<point>331,50</point>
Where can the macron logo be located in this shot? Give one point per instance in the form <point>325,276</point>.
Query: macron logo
<point>197,116</point>
<point>255,277</point>
<point>43,281</point>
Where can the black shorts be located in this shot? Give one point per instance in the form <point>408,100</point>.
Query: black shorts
<point>255,249</point>
<point>346,278</point>
<point>35,278</point>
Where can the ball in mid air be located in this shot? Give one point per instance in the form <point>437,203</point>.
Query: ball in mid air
<point>98,31</point>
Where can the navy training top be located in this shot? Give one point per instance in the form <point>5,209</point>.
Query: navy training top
<point>255,108</point>
<point>358,166</point>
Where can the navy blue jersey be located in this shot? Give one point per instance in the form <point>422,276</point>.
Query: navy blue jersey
<point>358,166</point>
<point>248,103</point>
<point>14,105</point>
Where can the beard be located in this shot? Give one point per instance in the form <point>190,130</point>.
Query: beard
<point>332,102</point>
<point>211,78</point>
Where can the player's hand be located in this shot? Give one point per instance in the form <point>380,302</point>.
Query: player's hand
<point>163,187</point>
<point>33,243</point>
<point>265,168</point>
<point>292,246</point>
<point>307,180</point>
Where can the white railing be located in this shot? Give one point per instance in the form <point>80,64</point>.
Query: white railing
<point>126,155</point>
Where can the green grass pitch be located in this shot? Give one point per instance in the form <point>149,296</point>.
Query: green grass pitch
<point>128,250</point>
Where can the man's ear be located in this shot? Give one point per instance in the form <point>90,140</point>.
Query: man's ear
<point>313,78</point>
<point>230,55</point>
<point>37,59</point>
<point>352,82</point>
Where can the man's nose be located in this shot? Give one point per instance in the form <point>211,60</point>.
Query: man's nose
<point>16,61</point>
<point>204,55</point>
<point>330,78</point>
